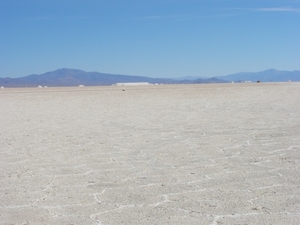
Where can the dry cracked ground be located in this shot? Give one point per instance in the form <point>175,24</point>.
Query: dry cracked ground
<point>171,154</point>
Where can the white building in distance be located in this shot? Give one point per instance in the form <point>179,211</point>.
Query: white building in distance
<point>132,84</point>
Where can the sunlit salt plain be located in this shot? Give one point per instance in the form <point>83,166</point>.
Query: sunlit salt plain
<point>161,154</point>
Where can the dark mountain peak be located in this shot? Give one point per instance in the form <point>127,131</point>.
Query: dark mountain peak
<point>66,71</point>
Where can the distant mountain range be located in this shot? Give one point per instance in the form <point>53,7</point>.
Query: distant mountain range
<point>74,77</point>
<point>270,75</point>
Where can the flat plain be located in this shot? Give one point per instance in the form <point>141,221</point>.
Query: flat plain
<point>161,154</point>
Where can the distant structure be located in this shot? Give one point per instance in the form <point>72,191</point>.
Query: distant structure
<point>81,85</point>
<point>133,84</point>
<point>40,86</point>
<point>2,87</point>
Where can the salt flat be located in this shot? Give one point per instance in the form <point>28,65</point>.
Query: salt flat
<point>171,154</point>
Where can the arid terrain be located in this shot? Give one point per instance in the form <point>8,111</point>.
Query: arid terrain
<point>162,154</point>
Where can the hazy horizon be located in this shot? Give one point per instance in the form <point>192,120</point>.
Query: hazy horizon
<point>182,77</point>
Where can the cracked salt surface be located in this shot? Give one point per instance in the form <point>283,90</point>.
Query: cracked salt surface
<point>184,154</point>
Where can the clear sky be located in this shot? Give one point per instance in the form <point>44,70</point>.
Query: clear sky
<point>155,38</point>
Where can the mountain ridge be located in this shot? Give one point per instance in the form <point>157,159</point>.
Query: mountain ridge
<point>270,75</point>
<point>75,77</point>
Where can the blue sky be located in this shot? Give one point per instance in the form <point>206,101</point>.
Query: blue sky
<point>155,38</point>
